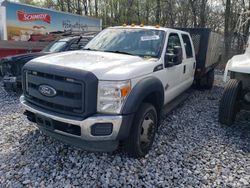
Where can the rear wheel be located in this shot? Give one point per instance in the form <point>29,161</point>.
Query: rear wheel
<point>230,102</point>
<point>207,81</point>
<point>210,79</point>
<point>142,132</point>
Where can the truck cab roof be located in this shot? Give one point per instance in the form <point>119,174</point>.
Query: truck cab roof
<point>166,29</point>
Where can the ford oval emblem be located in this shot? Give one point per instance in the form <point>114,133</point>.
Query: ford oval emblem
<point>47,91</point>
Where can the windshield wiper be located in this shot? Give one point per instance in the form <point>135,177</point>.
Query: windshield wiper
<point>119,52</point>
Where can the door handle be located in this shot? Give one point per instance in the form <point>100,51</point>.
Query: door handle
<point>184,69</point>
<point>194,65</point>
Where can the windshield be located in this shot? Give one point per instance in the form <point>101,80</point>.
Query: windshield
<point>55,46</point>
<point>141,42</point>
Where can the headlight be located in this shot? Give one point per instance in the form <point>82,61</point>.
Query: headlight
<point>111,95</point>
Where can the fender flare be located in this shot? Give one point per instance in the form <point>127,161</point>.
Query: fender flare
<point>141,90</point>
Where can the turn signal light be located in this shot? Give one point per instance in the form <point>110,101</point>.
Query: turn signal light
<point>125,91</point>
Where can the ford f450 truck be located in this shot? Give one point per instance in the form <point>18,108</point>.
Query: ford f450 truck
<point>113,91</point>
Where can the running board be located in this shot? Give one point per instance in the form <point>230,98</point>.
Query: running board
<point>175,103</point>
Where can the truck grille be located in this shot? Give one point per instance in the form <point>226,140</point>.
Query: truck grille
<point>69,98</point>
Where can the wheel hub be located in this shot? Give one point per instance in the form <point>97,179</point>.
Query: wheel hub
<point>147,130</point>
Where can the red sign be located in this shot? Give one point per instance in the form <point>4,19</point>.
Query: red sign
<point>25,17</point>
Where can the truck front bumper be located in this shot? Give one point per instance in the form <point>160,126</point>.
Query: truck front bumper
<point>81,134</point>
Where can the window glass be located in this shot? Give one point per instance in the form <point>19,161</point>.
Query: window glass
<point>57,46</point>
<point>188,46</point>
<point>141,42</point>
<point>84,41</point>
<point>74,46</point>
<point>174,49</point>
<point>173,42</point>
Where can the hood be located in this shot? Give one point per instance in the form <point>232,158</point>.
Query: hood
<point>22,57</point>
<point>240,63</point>
<point>105,65</point>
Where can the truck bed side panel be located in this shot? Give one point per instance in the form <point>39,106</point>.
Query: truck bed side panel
<point>213,50</point>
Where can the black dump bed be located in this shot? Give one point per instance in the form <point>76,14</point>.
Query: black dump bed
<point>208,48</point>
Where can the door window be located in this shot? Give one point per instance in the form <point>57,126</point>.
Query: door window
<point>174,50</point>
<point>188,46</point>
<point>173,41</point>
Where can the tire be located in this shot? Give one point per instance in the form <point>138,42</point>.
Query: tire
<point>143,131</point>
<point>230,102</point>
<point>210,80</point>
<point>207,81</point>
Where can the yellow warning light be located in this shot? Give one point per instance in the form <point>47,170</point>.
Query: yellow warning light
<point>142,25</point>
<point>157,26</point>
<point>132,25</point>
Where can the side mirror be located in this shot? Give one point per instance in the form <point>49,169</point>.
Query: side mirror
<point>174,57</point>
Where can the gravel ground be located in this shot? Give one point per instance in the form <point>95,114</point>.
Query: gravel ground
<point>191,150</point>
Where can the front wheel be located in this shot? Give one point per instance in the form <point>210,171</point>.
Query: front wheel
<point>230,102</point>
<point>142,132</point>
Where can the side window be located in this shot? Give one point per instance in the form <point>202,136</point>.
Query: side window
<point>83,42</point>
<point>174,50</point>
<point>173,42</point>
<point>188,46</point>
<point>74,46</point>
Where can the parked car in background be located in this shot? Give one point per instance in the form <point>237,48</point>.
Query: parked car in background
<point>11,66</point>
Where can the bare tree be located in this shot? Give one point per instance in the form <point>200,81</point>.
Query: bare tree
<point>203,14</point>
<point>90,7</point>
<point>96,8</point>
<point>194,12</point>
<point>68,5</point>
<point>158,11</point>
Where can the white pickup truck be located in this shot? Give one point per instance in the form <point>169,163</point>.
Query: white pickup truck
<point>113,91</point>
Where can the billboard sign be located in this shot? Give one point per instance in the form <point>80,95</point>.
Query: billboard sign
<point>25,17</point>
<point>26,21</point>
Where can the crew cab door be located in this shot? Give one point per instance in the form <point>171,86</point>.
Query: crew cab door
<point>173,66</point>
<point>188,62</point>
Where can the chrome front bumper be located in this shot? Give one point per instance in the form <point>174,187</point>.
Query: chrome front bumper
<point>84,124</point>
